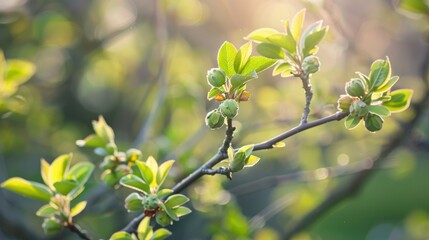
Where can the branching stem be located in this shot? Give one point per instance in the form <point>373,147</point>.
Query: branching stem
<point>305,78</point>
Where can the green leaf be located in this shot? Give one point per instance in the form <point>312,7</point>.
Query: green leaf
<point>352,121</point>
<point>270,51</point>
<point>18,71</point>
<point>312,40</point>
<point>373,122</point>
<point>261,34</point>
<point>213,92</point>
<point>153,165</point>
<point>164,192</point>
<point>242,57</point>
<point>46,211</point>
<point>144,228</point>
<point>400,100</point>
<point>379,110</point>
<point>136,183</point>
<point>238,80</point>
<point>81,172</point>
<point>251,161</point>
<point>91,141</point>
<point>279,145</point>
<point>176,200</point>
<point>44,169</point>
<point>365,79</point>
<point>247,150</point>
<point>103,130</point>
<point>415,6</point>
<point>65,187</point>
<point>226,58</point>
<point>170,212</point>
<point>161,234</point>
<point>257,64</point>
<point>26,188</point>
<point>380,73</point>
<point>78,208</point>
<point>309,30</point>
<point>121,236</point>
<point>182,211</point>
<point>145,171</point>
<point>163,171</point>
<point>58,168</point>
<point>283,68</point>
<point>297,23</point>
<point>387,85</point>
<point>285,41</point>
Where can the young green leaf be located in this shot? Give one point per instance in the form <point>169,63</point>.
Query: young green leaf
<point>103,130</point>
<point>312,40</point>
<point>270,51</point>
<point>65,187</point>
<point>153,165</point>
<point>238,80</point>
<point>145,171</point>
<point>352,121</point>
<point>80,172</point>
<point>281,68</point>
<point>170,212</point>
<point>176,200</point>
<point>226,58</point>
<point>261,34</point>
<point>380,73</point>
<point>182,211</point>
<point>136,183</point>
<point>400,100</point>
<point>251,161</point>
<point>257,64</point>
<point>46,211</point>
<point>29,189</point>
<point>78,208</point>
<point>91,141</point>
<point>213,92</point>
<point>44,169</point>
<point>242,57</point>
<point>163,171</point>
<point>18,71</point>
<point>164,192</point>
<point>161,234</point>
<point>121,236</point>
<point>285,41</point>
<point>297,23</point>
<point>387,85</point>
<point>58,168</point>
<point>379,110</point>
<point>373,122</point>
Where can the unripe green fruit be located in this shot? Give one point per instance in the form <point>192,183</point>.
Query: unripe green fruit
<point>373,122</point>
<point>109,178</point>
<point>134,202</point>
<point>359,108</point>
<point>355,88</point>
<point>216,77</point>
<point>229,108</point>
<point>150,202</point>
<point>133,155</point>
<point>51,226</point>
<point>214,119</point>
<point>163,219</point>
<point>344,103</point>
<point>310,64</point>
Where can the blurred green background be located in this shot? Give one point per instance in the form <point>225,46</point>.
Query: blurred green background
<point>142,65</point>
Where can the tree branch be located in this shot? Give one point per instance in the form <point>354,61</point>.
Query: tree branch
<point>305,78</point>
<point>76,229</point>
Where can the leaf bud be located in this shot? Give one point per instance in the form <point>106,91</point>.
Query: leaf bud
<point>150,202</point>
<point>134,202</point>
<point>373,122</point>
<point>344,103</point>
<point>109,178</point>
<point>121,156</point>
<point>216,77</point>
<point>163,219</point>
<point>133,155</point>
<point>238,162</point>
<point>229,108</point>
<point>109,162</point>
<point>111,148</point>
<point>359,108</point>
<point>214,119</point>
<point>355,88</point>
<point>310,64</point>
<point>122,170</point>
<point>52,225</point>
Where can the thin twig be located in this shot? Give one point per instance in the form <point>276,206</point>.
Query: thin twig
<point>305,78</point>
<point>228,137</point>
<point>76,229</point>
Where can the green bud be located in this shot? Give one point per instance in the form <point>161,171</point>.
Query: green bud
<point>344,103</point>
<point>133,155</point>
<point>109,178</point>
<point>214,119</point>
<point>121,156</point>
<point>109,162</point>
<point>122,170</point>
<point>150,202</point>
<point>216,77</point>
<point>134,202</point>
<point>111,148</point>
<point>359,108</point>
<point>238,162</point>
<point>310,64</point>
<point>51,225</point>
<point>163,219</point>
<point>229,108</point>
<point>355,88</point>
<point>373,122</point>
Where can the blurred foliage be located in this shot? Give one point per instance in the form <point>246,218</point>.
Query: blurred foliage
<point>142,65</point>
